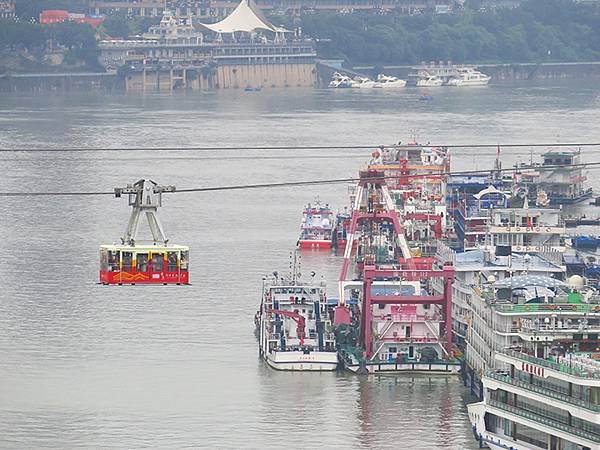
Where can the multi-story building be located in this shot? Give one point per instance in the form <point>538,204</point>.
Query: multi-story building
<point>181,53</point>
<point>221,8</point>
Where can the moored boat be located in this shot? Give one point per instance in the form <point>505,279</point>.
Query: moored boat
<point>468,76</point>
<point>317,226</point>
<point>430,81</point>
<point>386,82</point>
<point>294,326</point>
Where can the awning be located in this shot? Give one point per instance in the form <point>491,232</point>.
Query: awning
<point>244,18</point>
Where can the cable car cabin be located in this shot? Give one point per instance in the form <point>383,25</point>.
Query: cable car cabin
<point>152,264</point>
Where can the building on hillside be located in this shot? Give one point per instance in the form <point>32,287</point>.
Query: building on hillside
<point>7,9</point>
<point>143,8</point>
<point>215,10</point>
<point>244,50</point>
<point>52,16</point>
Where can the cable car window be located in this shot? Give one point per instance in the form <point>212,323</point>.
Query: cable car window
<point>103,260</point>
<point>184,261</point>
<point>157,262</point>
<point>113,261</point>
<point>172,261</point>
<point>127,261</point>
<point>142,262</point>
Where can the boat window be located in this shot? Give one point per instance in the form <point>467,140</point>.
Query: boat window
<point>142,262</point>
<point>184,261</point>
<point>127,261</point>
<point>157,262</point>
<point>172,261</point>
<point>113,261</point>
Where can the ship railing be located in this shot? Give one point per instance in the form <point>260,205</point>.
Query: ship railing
<point>545,307</point>
<point>552,423</point>
<point>543,391</point>
<point>564,366</point>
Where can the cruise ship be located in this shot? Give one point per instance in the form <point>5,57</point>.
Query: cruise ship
<point>544,399</point>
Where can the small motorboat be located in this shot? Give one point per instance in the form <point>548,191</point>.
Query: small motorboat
<point>253,89</point>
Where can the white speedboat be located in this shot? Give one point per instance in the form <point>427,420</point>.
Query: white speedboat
<point>384,81</point>
<point>363,82</point>
<point>467,76</point>
<point>341,81</point>
<point>430,81</point>
<point>294,327</point>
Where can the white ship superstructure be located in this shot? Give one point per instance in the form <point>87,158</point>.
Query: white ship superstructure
<point>294,327</point>
<point>540,403</point>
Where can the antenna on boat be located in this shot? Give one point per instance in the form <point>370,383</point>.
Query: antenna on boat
<point>145,196</point>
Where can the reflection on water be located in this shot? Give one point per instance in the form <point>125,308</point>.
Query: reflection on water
<point>83,365</point>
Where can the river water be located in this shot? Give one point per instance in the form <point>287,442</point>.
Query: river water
<point>90,366</point>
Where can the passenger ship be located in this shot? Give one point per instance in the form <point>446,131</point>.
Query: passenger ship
<point>550,401</point>
<point>294,327</point>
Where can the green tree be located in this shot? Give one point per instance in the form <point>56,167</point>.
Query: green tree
<point>117,26</point>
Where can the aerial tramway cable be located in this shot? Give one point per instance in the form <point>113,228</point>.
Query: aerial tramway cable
<point>281,147</point>
<point>590,165</point>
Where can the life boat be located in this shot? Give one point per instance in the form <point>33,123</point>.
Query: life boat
<point>155,262</point>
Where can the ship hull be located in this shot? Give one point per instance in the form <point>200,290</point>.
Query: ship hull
<point>443,368</point>
<point>316,244</point>
<point>301,362</point>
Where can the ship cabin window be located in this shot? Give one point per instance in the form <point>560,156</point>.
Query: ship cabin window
<point>393,350</point>
<point>142,262</point>
<point>157,262</point>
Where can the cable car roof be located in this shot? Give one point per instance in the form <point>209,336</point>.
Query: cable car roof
<point>145,248</point>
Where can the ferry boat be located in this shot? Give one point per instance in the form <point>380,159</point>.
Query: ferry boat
<point>294,327</point>
<point>386,82</point>
<point>543,399</point>
<point>468,76</point>
<point>317,225</point>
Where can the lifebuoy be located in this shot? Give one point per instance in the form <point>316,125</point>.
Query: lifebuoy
<point>547,229</point>
<point>518,229</point>
<point>529,228</point>
<point>537,229</point>
<point>507,228</point>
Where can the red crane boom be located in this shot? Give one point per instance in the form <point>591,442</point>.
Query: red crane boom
<point>296,317</point>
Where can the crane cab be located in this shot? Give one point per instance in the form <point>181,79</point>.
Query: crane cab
<point>152,264</point>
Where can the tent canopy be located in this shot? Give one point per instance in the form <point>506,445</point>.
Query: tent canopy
<point>243,18</point>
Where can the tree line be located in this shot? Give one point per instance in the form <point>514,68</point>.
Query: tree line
<point>535,31</point>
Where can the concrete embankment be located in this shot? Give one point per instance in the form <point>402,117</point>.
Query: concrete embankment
<point>59,82</point>
<point>510,72</point>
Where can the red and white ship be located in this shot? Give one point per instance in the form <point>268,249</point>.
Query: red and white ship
<point>317,226</point>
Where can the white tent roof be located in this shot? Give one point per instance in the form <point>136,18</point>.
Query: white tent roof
<point>243,18</point>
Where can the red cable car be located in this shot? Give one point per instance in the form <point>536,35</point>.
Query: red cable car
<point>157,262</point>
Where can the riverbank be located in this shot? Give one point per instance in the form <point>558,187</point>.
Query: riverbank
<point>510,72</point>
<point>64,82</point>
